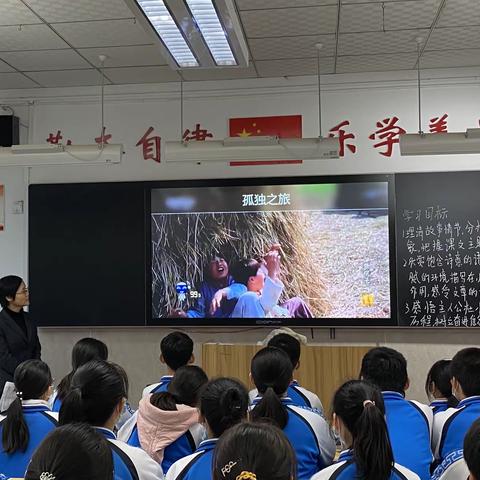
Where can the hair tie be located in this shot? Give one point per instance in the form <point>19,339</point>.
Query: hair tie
<point>19,395</point>
<point>228,467</point>
<point>368,402</point>
<point>246,476</point>
<point>47,476</point>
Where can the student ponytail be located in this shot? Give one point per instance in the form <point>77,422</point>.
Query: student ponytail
<point>360,407</point>
<point>84,351</point>
<point>223,403</point>
<point>96,390</point>
<point>184,388</point>
<point>272,372</point>
<point>32,379</point>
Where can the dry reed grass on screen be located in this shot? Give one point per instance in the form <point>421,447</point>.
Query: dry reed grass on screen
<point>182,245</point>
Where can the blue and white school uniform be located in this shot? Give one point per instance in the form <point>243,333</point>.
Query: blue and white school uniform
<point>345,468</point>
<point>310,437</point>
<point>130,463</point>
<point>453,467</point>
<point>162,386</point>
<point>197,466</point>
<point>185,445</point>
<point>439,405</point>
<point>40,422</point>
<point>409,426</point>
<point>450,426</point>
<point>300,396</point>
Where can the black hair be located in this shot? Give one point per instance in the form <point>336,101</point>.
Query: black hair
<point>211,257</point>
<point>8,288</point>
<point>32,379</point>
<point>97,388</point>
<point>177,349</point>
<point>386,368</point>
<point>471,449</point>
<point>184,388</point>
<point>244,269</point>
<point>439,375</point>
<point>254,448</point>
<point>83,351</point>
<point>465,367</point>
<point>290,345</point>
<point>360,407</point>
<point>72,452</point>
<point>223,403</point>
<point>272,372</point>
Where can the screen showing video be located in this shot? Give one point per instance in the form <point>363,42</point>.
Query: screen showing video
<point>282,254</point>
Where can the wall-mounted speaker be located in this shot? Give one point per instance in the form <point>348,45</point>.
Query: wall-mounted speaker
<point>9,130</point>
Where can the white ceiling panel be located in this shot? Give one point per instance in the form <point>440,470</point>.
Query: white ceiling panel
<point>125,56</point>
<point>14,12</point>
<point>376,63</point>
<point>103,33</point>
<point>451,58</point>
<point>293,67</point>
<point>291,47</point>
<point>399,15</point>
<point>379,42</point>
<point>460,12</point>
<point>271,4</point>
<point>45,60</point>
<point>5,68</point>
<point>29,37</point>
<point>283,22</point>
<point>219,74</point>
<point>67,78</point>
<point>450,38</point>
<point>79,10</point>
<point>15,80</point>
<point>361,18</point>
<point>142,75</point>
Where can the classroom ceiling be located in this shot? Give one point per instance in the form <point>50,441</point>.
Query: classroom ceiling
<point>56,43</point>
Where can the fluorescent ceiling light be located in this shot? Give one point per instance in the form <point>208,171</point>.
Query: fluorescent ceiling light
<point>454,143</point>
<point>162,21</point>
<point>208,21</point>
<point>225,151</point>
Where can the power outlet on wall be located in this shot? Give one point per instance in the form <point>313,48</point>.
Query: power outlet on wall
<point>17,207</point>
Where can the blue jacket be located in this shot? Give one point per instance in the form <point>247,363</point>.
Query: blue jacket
<point>438,406</point>
<point>409,426</point>
<point>310,437</point>
<point>450,426</point>
<point>197,466</point>
<point>345,468</point>
<point>202,306</point>
<point>40,422</point>
<point>130,463</point>
<point>162,386</point>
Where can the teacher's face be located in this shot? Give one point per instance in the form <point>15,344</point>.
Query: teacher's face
<point>21,298</point>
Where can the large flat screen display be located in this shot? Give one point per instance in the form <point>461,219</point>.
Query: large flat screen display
<point>298,251</point>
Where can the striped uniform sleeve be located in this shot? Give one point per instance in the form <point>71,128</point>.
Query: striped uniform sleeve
<point>329,472</point>
<point>180,465</point>
<point>147,468</point>
<point>322,432</point>
<point>127,428</point>
<point>427,412</point>
<point>440,424</point>
<point>315,402</point>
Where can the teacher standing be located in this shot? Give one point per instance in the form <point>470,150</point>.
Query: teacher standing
<point>18,334</point>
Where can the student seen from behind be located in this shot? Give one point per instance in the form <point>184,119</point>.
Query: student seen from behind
<point>272,372</point>
<point>409,422</point>
<point>167,423</point>
<point>299,395</point>
<point>28,419</point>
<point>450,426</point>
<point>97,396</point>
<point>72,452</point>
<point>438,387</point>
<point>359,419</point>
<point>223,404</point>
<point>176,351</point>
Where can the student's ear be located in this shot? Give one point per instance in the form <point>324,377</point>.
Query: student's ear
<point>297,366</point>
<point>162,360</point>
<point>250,378</point>
<point>121,405</point>
<point>10,299</point>
<point>407,385</point>
<point>456,388</point>
<point>192,359</point>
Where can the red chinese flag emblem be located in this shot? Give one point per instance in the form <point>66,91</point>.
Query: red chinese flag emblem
<point>283,126</point>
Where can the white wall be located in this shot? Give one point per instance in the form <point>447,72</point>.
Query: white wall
<point>130,110</point>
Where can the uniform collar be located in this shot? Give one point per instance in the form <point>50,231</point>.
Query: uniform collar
<point>166,378</point>
<point>107,433</point>
<point>207,445</point>
<point>285,400</point>
<point>469,401</point>
<point>345,455</point>
<point>439,401</point>
<point>388,394</point>
<point>35,405</point>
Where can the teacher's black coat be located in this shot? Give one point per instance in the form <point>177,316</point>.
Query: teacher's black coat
<point>15,347</point>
